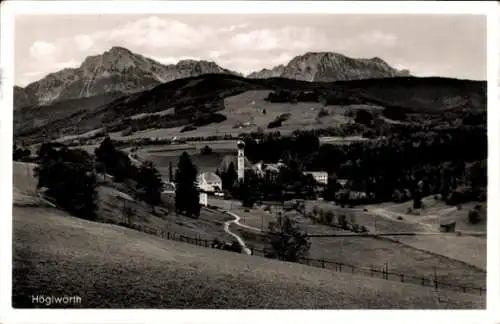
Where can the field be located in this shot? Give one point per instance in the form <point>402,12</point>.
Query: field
<point>162,155</point>
<point>54,253</point>
<point>417,256</point>
<point>247,108</point>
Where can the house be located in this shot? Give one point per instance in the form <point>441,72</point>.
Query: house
<point>209,182</point>
<point>169,187</point>
<point>319,176</point>
<point>342,182</point>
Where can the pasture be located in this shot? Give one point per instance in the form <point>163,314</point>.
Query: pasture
<point>411,255</point>
<point>247,111</point>
<point>55,252</point>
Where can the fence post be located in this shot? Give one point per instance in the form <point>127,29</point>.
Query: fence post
<point>463,289</point>
<point>423,281</point>
<point>323,264</point>
<point>371,270</point>
<point>340,267</point>
<point>251,250</point>
<point>480,291</point>
<point>435,279</point>
<point>402,277</point>
<point>168,235</point>
<point>352,269</point>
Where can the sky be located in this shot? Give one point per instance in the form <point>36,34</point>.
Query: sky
<point>427,45</point>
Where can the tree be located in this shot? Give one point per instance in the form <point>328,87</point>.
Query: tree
<point>229,177</point>
<point>288,242</point>
<point>70,179</point>
<point>149,184</point>
<point>20,153</point>
<point>170,172</point>
<point>106,153</point>
<point>364,117</point>
<point>187,198</point>
<point>331,189</point>
<point>116,162</point>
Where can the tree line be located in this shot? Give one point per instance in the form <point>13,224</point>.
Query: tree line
<point>70,178</point>
<point>411,162</point>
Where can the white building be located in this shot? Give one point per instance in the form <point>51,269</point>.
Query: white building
<point>203,199</point>
<point>209,182</point>
<point>319,176</point>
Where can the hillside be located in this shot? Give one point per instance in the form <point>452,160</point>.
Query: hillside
<point>329,66</point>
<point>116,70</point>
<point>202,100</point>
<point>54,252</point>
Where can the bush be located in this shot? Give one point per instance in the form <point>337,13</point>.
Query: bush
<point>323,113</point>
<point>207,150</point>
<point>343,221</point>
<point>275,124</point>
<point>328,216</point>
<point>474,216</point>
<point>187,129</point>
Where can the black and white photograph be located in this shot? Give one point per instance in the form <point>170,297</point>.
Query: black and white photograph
<point>259,160</point>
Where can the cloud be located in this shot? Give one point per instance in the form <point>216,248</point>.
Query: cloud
<point>42,49</point>
<point>83,42</point>
<point>173,59</point>
<point>379,38</point>
<point>286,38</point>
<point>154,32</point>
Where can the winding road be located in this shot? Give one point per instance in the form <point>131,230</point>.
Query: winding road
<point>236,221</point>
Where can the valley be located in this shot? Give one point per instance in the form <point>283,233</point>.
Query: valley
<point>383,170</point>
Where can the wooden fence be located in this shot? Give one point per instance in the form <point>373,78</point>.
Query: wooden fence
<point>329,264</point>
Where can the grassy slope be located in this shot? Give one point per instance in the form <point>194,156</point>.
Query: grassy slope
<point>247,107</point>
<point>114,267</point>
<point>208,226</point>
<point>367,251</point>
<point>56,253</point>
<point>432,95</point>
<point>468,249</point>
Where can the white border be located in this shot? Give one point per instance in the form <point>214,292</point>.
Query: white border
<point>9,9</point>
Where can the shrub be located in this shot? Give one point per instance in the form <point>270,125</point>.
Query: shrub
<point>275,124</point>
<point>187,129</point>
<point>323,113</point>
<point>328,216</point>
<point>207,150</point>
<point>473,216</point>
<point>343,221</point>
<point>364,229</point>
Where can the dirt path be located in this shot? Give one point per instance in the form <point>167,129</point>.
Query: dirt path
<point>394,217</point>
<point>236,221</point>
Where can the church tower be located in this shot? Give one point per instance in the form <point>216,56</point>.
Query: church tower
<point>241,160</point>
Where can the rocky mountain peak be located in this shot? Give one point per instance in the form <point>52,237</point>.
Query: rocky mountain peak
<point>330,66</point>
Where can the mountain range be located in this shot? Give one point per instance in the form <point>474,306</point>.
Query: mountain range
<point>119,70</point>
